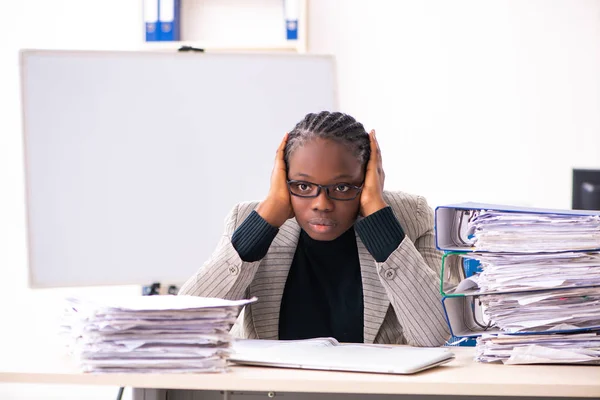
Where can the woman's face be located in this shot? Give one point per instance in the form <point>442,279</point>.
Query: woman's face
<point>325,162</point>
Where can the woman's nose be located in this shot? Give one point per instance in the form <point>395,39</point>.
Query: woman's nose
<point>322,202</point>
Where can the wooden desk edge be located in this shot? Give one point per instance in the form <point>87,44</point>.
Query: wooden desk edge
<point>230,383</point>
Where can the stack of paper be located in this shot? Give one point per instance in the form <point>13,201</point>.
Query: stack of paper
<point>535,293</point>
<point>152,333</point>
<point>531,283</point>
<point>522,272</point>
<point>544,310</point>
<point>536,286</point>
<point>501,231</point>
<point>580,348</point>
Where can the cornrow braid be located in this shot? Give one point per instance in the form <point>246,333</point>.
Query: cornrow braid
<point>336,126</point>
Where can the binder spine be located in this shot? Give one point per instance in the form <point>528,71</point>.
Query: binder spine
<point>169,20</point>
<point>292,11</point>
<point>151,20</point>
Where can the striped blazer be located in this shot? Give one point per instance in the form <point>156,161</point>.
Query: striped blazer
<point>401,295</point>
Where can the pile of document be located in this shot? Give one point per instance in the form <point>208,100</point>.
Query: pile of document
<point>151,333</point>
<point>536,295</point>
<point>523,272</point>
<point>577,348</point>
<point>542,311</point>
<point>543,285</point>
<point>502,231</point>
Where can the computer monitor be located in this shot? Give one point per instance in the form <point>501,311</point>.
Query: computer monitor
<point>586,189</point>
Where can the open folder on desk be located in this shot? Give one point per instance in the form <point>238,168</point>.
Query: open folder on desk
<point>328,354</point>
<point>496,228</point>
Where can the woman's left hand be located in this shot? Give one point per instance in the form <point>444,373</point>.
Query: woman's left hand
<point>371,198</point>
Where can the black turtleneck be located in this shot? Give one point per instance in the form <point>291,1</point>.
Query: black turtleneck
<point>323,295</point>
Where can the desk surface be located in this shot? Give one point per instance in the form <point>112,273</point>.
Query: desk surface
<point>462,376</point>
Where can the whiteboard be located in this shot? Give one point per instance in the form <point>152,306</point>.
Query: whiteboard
<point>133,159</point>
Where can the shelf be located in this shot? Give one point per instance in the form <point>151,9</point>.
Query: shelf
<point>286,46</point>
<point>237,26</point>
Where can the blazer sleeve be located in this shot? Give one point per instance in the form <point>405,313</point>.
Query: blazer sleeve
<point>225,274</point>
<point>410,276</point>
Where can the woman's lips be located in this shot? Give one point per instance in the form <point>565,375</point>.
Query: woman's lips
<point>321,225</point>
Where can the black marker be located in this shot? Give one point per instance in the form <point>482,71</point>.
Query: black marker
<point>190,48</point>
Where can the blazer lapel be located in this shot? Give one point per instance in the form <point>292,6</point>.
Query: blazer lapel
<point>269,281</point>
<point>375,298</point>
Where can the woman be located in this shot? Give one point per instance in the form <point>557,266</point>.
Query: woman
<point>328,252</point>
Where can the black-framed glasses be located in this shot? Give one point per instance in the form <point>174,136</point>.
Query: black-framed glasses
<point>336,191</point>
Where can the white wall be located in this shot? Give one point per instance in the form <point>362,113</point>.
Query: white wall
<point>472,100</point>
<point>443,82</point>
<point>65,24</point>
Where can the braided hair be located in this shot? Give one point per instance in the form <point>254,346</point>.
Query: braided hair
<point>335,126</point>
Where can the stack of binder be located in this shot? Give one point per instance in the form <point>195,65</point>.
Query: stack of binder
<point>151,333</point>
<point>529,281</point>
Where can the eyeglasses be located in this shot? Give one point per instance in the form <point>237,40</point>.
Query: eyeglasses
<point>337,191</point>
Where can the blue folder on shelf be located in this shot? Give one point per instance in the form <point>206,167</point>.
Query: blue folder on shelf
<point>151,20</point>
<point>292,14</point>
<point>169,20</point>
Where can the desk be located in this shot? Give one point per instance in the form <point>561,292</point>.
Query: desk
<point>461,377</point>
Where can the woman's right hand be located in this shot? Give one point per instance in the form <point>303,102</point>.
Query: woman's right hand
<point>276,208</point>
